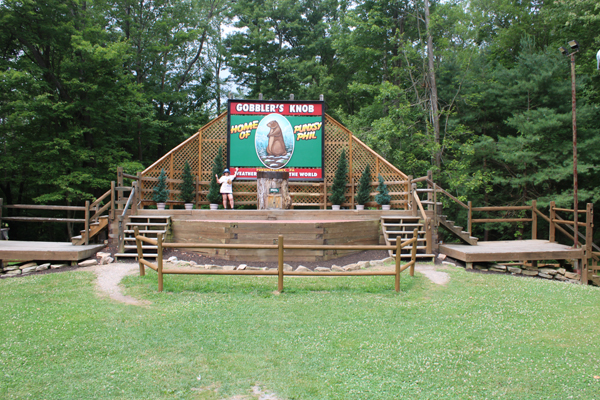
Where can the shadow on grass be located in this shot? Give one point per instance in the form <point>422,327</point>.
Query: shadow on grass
<point>267,286</point>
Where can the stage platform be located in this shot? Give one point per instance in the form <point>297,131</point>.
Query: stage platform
<point>511,250</point>
<point>301,227</point>
<point>271,215</point>
<point>14,250</point>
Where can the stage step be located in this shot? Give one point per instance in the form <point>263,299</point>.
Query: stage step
<point>149,226</point>
<point>403,227</point>
<point>457,230</point>
<point>95,228</point>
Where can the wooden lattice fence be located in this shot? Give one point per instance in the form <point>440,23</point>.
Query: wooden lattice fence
<point>201,148</point>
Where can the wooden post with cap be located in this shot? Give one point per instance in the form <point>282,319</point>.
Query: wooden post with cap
<point>280,264</point>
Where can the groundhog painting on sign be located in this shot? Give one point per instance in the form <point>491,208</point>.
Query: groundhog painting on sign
<point>276,146</point>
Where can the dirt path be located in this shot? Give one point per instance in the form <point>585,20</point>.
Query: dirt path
<point>435,276</point>
<point>109,277</point>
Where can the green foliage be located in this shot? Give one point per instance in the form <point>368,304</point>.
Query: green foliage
<point>188,187</point>
<point>214,195</point>
<point>338,188</point>
<point>364,187</point>
<point>160,192</point>
<point>383,197</point>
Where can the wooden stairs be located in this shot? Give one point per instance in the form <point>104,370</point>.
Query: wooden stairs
<point>95,228</point>
<point>457,230</point>
<point>402,227</point>
<point>150,226</point>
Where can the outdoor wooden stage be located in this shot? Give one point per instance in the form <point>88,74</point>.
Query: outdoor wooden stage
<point>511,250</point>
<point>14,250</point>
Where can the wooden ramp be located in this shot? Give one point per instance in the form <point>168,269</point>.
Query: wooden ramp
<point>511,250</point>
<point>15,250</point>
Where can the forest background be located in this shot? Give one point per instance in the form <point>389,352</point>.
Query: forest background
<point>87,86</point>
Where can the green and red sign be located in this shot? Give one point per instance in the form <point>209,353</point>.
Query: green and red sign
<point>276,136</point>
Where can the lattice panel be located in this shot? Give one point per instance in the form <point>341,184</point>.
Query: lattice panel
<point>201,149</point>
<point>306,195</point>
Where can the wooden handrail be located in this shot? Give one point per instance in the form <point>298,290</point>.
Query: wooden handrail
<point>99,199</point>
<point>502,208</point>
<point>421,179</point>
<point>569,210</point>
<point>439,189</point>
<point>581,235</point>
<point>100,211</point>
<point>423,215</point>
<point>43,207</point>
<point>567,222</point>
<point>128,176</point>
<point>541,214</point>
<point>40,219</point>
<point>488,220</point>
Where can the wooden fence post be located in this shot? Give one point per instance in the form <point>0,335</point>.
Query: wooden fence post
<point>138,242</point>
<point>87,222</point>
<point>413,253</point>
<point>324,193</point>
<point>398,250</point>
<point>469,219</point>
<point>120,234</point>
<point>552,234</point>
<point>534,220</point>
<point>410,201</point>
<point>119,184</point>
<point>280,264</point>
<point>589,237</point>
<point>428,236</point>
<point>159,261</point>
<point>429,186</point>
<point>413,193</point>
<point>435,209</point>
<point>112,200</point>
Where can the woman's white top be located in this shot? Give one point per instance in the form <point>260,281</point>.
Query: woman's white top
<point>225,181</point>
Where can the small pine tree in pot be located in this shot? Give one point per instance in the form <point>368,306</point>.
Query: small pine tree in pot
<point>214,195</point>
<point>383,198</point>
<point>188,189</point>
<point>338,188</point>
<point>364,189</point>
<point>161,193</point>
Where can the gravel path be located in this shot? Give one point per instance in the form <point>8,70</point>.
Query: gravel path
<point>110,275</point>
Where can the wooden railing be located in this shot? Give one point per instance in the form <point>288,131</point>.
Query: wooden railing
<point>92,211</point>
<point>85,209</point>
<point>280,247</point>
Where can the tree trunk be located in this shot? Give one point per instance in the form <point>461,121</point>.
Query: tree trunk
<point>435,118</point>
<point>272,190</point>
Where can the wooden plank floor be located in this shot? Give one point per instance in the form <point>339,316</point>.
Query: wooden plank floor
<point>46,251</point>
<point>273,215</point>
<point>511,250</point>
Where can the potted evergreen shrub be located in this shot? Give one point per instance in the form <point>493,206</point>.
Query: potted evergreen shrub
<point>214,195</point>
<point>383,198</point>
<point>338,188</point>
<point>188,189</point>
<point>161,193</point>
<point>364,189</point>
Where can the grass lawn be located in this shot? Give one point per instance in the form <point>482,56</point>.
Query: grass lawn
<point>480,336</point>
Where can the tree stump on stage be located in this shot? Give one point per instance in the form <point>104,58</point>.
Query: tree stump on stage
<point>272,190</point>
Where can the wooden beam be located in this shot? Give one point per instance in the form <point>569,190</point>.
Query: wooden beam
<point>552,234</point>
<point>534,219</point>
<point>43,207</point>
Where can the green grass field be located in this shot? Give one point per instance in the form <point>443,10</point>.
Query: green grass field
<point>481,336</point>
